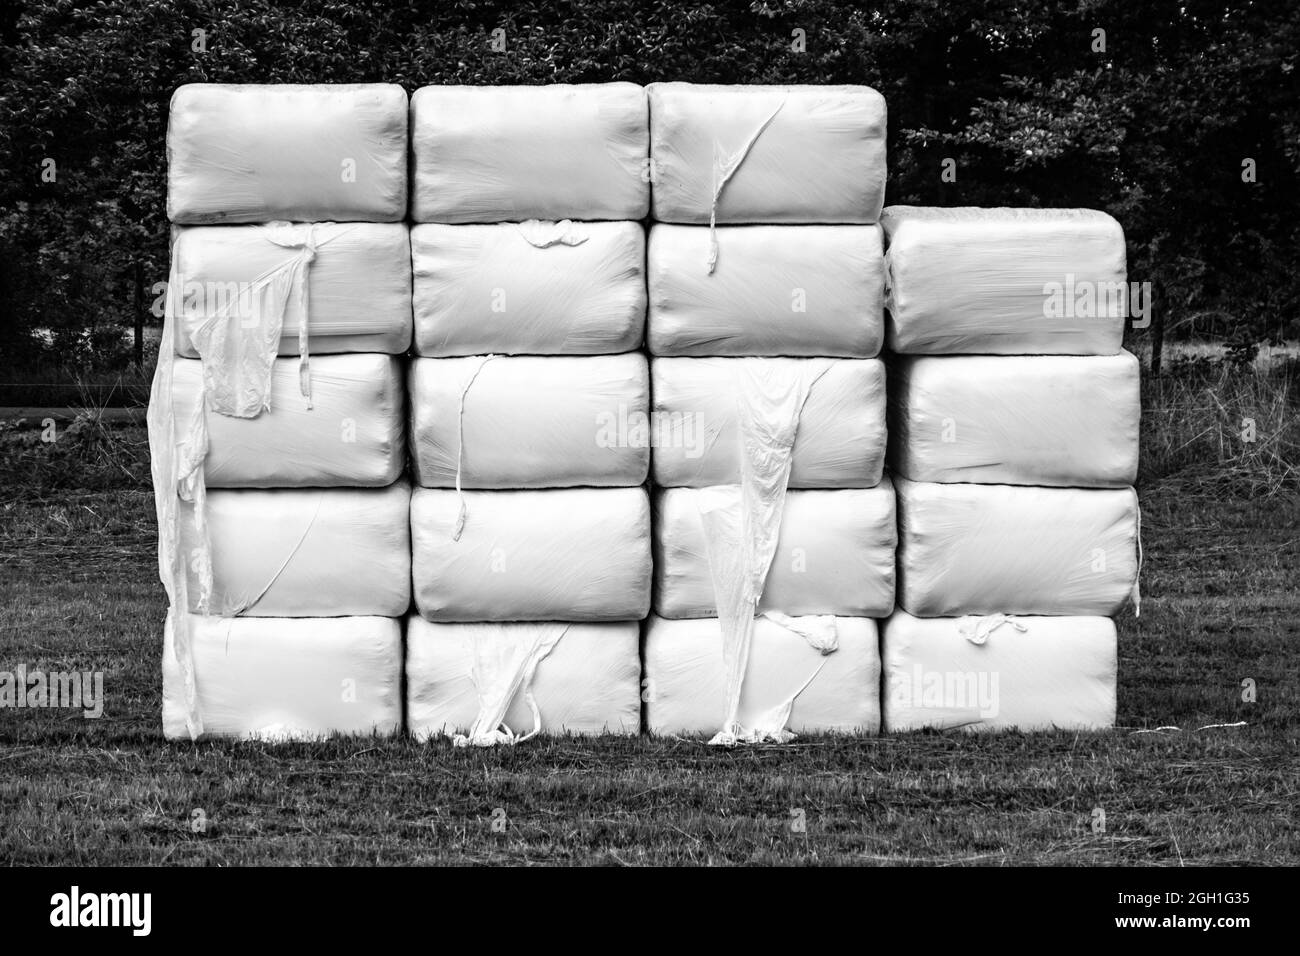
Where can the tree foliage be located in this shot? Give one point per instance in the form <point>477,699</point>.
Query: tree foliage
<point>1152,124</point>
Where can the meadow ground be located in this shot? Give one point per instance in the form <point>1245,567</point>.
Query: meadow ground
<point>1221,586</point>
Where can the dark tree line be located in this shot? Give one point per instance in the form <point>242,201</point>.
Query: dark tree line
<point>1181,119</point>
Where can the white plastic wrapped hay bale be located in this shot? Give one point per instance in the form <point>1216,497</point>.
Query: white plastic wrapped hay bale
<point>531,421</point>
<point>836,692</point>
<point>576,554</point>
<point>1058,420</point>
<point>835,555</point>
<point>288,678</point>
<point>254,153</point>
<point>1004,281</point>
<point>583,678</point>
<point>352,436</point>
<point>329,552</point>
<point>795,154</point>
<point>989,549</point>
<point>999,673</point>
<point>355,279</point>
<point>538,288</point>
<point>513,153</point>
<point>776,290</point>
<point>839,443</point>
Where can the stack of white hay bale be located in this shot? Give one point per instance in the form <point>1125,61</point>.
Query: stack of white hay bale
<point>277,442</point>
<point>529,408</point>
<point>1013,446</point>
<point>295,552</point>
<point>765,274</point>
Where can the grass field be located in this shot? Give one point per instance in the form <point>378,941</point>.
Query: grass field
<point>79,590</point>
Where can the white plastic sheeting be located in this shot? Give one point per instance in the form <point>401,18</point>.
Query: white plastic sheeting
<point>835,555</point>
<point>789,682</point>
<point>1062,420</point>
<point>776,290</point>
<point>840,441</point>
<point>1005,281</point>
<point>353,435</point>
<point>512,153</point>
<point>238,371</point>
<point>352,279</point>
<point>540,288</point>
<point>739,154</point>
<point>252,153</point>
<point>302,553</point>
<point>989,549</point>
<point>742,523</point>
<point>288,678</point>
<point>531,421</point>
<point>579,554</point>
<point>1002,673</point>
<point>499,683</point>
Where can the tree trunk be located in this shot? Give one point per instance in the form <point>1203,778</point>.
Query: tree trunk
<point>1157,327</point>
<point>139,314</point>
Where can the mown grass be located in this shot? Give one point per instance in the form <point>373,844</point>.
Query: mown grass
<point>79,590</point>
<point>934,799</point>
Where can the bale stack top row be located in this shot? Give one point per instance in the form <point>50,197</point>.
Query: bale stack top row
<point>248,154</point>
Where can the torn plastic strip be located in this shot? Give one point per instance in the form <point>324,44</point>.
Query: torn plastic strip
<point>822,636</point>
<point>1157,730</point>
<point>301,264</point>
<point>230,360</point>
<point>770,726</point>
<point>543,234</point>
<point>163,464</point>
<point>818,630</point>
<point>462,508</point>
<point>742,523</point>
<point>176,463</point>
<point>1136,593</point>
<point>722,173</point>
<point>505,660</point>
<point>977,629</point>
<point>235,611</point>
<point>238,355</point>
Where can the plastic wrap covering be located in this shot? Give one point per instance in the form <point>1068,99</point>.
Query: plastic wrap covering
<point>1005,281</point>
<point>352,279</point>
<point>249,153</point>
<point>989,549</point>
<point>303,553</point>
<point>580,554</point>
<point>1039,420</point>
<point>539,288</point>
<point>742,523</point>
<point>511,153</point>
<point>500,683</point>
<point>741,154</point>
<point>352,436</point>
<point>776,290</point>
<point>531,422</point>
<point>999,673</point>
<point>288,678</point>
<point>787,680</point>
<point>835,555</point>
<point>840,441</point>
